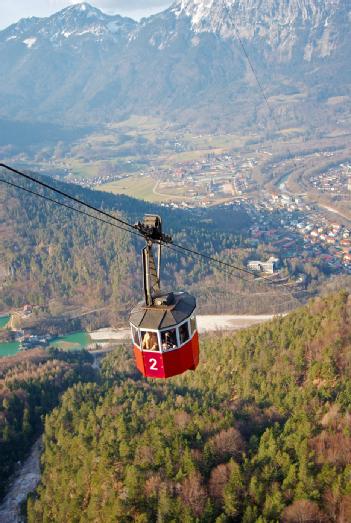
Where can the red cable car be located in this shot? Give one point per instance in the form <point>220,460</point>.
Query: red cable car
<point>164,332</point>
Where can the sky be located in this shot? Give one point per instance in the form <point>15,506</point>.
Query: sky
<point>12,10</point>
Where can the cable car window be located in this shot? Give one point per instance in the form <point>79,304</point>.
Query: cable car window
<point>136,337</point>
<point>193,324</point>
<point>184,333</point>
<point>150,341</point>
<point>169,340</point>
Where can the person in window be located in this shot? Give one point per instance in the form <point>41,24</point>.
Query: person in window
<point>150,341</point>
<point>169,340</point>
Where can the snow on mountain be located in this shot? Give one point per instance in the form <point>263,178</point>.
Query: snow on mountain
<point>72,22</point>
<point>279,23</point>
<point>185,62</point>
<point>213,14</point>
<point>29,42</point>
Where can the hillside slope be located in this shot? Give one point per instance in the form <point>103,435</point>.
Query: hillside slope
<point>69,264</point>
<point>260,432</point>
<point>30,387</point>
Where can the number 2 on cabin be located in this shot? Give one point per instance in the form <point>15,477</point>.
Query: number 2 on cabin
<point>153,364</point>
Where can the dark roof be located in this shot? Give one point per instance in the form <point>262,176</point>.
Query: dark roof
<point>163,316</point>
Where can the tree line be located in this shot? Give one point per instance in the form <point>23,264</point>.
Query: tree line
<point>30,387</point>
<point>60,260</point>
<point>261,432</point>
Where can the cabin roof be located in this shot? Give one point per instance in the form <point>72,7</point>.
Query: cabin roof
<point>163,316</point>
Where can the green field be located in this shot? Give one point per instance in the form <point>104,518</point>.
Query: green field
<point>132,146</point>
<point>4,321</point>
<point>8,349</point>
<point>138,186</point>
<point>87,170</point>
<point>77,340</point>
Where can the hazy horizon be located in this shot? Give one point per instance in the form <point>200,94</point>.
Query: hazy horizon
<point>12,12</point>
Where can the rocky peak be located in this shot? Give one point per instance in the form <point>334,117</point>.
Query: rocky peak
<point>215,13</point>
<point>80,20</point>
<point>185,62</point>
<point>280,23</point>
<point>79,13</point>
<point>84,19</point>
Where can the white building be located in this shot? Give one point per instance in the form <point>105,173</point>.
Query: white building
<point>269,267</point>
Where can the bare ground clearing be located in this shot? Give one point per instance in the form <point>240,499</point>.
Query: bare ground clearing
<point>206,323</point>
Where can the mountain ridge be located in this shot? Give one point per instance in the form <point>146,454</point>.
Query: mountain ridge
<point>185,63</point>
<point>76,20</point>
<point>217,14</point>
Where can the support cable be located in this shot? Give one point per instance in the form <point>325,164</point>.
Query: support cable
<point>69,207</point>
<point>131,228</point>
<point>62,193</point>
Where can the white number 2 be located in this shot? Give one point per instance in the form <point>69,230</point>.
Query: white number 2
<point>153,363</point>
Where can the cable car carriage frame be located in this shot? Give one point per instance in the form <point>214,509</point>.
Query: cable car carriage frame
<point>163,328</point>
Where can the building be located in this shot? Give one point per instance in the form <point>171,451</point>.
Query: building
<point>27,310</point>
<point>270,266</point>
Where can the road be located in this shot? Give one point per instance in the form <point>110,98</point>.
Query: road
<point>23,482</point>
<point>282,185</point>
<point>334,211</point>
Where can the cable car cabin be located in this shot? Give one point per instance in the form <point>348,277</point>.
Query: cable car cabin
<point>165,337</point>
<point>164,332</point>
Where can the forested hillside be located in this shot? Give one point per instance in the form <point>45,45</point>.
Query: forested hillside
<point>30,387</point>
<point>60,260</point>
<point>261,432</point>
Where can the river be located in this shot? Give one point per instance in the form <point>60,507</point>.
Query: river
<point>26,478</point>
<point>24,481</point>
<point>7,348</point>
<point>282,182</point>
<point>75,341</point>
<point>4,321</point>
<point>80,340</point>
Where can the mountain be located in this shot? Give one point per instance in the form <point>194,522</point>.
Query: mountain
<point>81,20</point>
<point>305,28</point>
<point>54,65</point>
<point>186,63</point>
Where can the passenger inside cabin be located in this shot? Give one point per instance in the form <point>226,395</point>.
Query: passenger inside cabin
<point>150,341</point>
<point>169,340</point>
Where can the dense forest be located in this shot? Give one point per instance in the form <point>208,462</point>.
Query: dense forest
<point>261,432</point>
<point>67,263</point>
<point>30,387</point>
